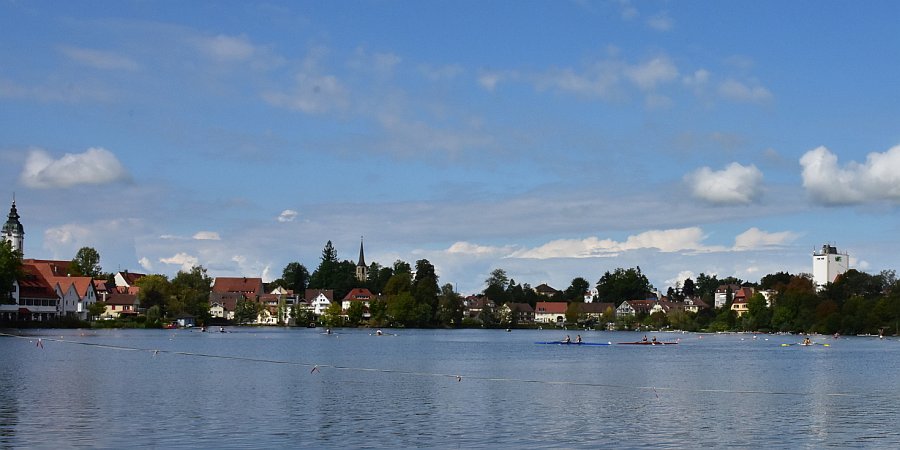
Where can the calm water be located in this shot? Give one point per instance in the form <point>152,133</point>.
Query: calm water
<point>259,389</point>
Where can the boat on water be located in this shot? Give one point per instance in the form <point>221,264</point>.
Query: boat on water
<point>572,343</point>
<point>648,343</point>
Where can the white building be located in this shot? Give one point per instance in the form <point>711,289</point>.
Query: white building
<point>828,264</point>
<point>13,232</point>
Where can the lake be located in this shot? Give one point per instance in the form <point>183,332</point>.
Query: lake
<point>268,387</point>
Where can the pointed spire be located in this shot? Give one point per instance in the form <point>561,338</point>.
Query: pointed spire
<point>362,259</point>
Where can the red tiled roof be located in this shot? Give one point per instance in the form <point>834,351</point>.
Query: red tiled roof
<point>235,284</point>
<point>550,307</point>
<point>34,285</point>
<point>311,294</point>
<point>361,294</point>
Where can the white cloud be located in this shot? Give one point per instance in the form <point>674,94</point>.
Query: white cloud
<point>186,261</point>
<point>740,92</point>
<point>468,248</point>
<point>876,179</point>
<point>287,215</point>
<point>649,74</point>
<point>699,78</point>
<point>678,280</point>
<point>755,239</point>
<point>99,59</point>
<point>673,240</point>
<point>68,92</point>
<point>440,73</point>
<point>146,264</point>
<point>735,184</point>
<point>94,166</point>
<point>207,236</point>
<point>489,80</point>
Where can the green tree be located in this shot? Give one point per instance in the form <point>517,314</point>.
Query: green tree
<point>295,277</point>
<point>332,316</point>
<point>96,309</point>
<point>355,313</point>
<point>688,290</point>
<point>623,284</point>
<point>497,284</point>
<point>154,291</point>
<point>402,309</point>
<point>450,307</point>
<point>576,290</point>
<point>378,312</point>
<point>86,263</point>
<point>10,271</point>
<point>246,310</point>
<point>426,291</point>
<point>190,293</point>
<point>759,315</point>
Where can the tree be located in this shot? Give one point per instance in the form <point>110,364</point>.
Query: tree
<point>86,263</point>
<point>246,311</point>
<point>497,285</point>
<point>759,316</point>
<point>190,293</point>
<point>688,289</point>
<point>96,309</point>
<point>154,291</point>
<point>355,313</point>
<point>295,277</point>
<point>450,306</point>
<point>10,270</point>
<point>425,290</point>
<point>623,284</point>
<point>576,290</point>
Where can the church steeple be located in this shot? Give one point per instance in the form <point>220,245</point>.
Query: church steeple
<point>13,231</point>
<point>362,271</point>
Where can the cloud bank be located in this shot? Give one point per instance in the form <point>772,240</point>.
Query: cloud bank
<point>828,183</point>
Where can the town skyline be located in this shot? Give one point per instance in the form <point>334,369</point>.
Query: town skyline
<point>553,141</point>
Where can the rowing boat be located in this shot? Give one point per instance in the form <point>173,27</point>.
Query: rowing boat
<point>648,343</point>
<point>573,343</point>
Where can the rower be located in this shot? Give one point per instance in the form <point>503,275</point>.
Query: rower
<point>578,339</point>
<point>567,340</point>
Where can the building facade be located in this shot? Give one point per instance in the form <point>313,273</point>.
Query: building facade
<point>828,264</point>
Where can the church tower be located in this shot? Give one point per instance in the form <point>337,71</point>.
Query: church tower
<point>13,231</point>
<point>362,271</point>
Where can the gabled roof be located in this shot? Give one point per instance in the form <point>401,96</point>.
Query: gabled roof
<point>131,277</point>
<point>543,288</point>
<point>34,285</point>
<point>311,294</point>
<point>50,270</point>
<point>550,307</point>
<point>238,284</point>
<point>520,307</point>
<point>121,299</point>
<point>358,294</point>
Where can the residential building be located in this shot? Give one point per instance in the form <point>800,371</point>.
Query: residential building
<point>550,312</point>
<point>722,294</point>
<point>127,279</point>
<point>694,304</point>
<point>592,311</point>
<point>516,313</point>
<point>545,290</point>
<point>120,305</point>
<point>33,298</point>
<point>319,299</point>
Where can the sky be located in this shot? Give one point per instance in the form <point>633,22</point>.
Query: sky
<point>550,139</point>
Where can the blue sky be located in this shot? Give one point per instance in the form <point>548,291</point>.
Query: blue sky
<point>550,139</point>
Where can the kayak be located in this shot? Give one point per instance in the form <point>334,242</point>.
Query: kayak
<point>806,345</point>
<point>573,343</point>
<point>648,343</point>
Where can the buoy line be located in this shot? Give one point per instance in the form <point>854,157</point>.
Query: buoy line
<point>458,377</point>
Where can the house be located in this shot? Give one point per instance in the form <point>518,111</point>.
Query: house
<point>356,295</point>
<point>222,305</point>
<point>722,292</point>
<point>545,290</point>
<point>694,304</point>
<point>33,298</point>
<point>635,307</point>
<point>740,306</point>
<point>592,311</point>
<point>550,312</point>
<point>319,299</point>
<point>665,307</point>
<point>251,287</point>
<point>475,304</point>
<point>516,313</point>
<point>76,293</point>
<point>120,305</point>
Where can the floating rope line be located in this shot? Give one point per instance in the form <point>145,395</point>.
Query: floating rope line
<point>316,368</point>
